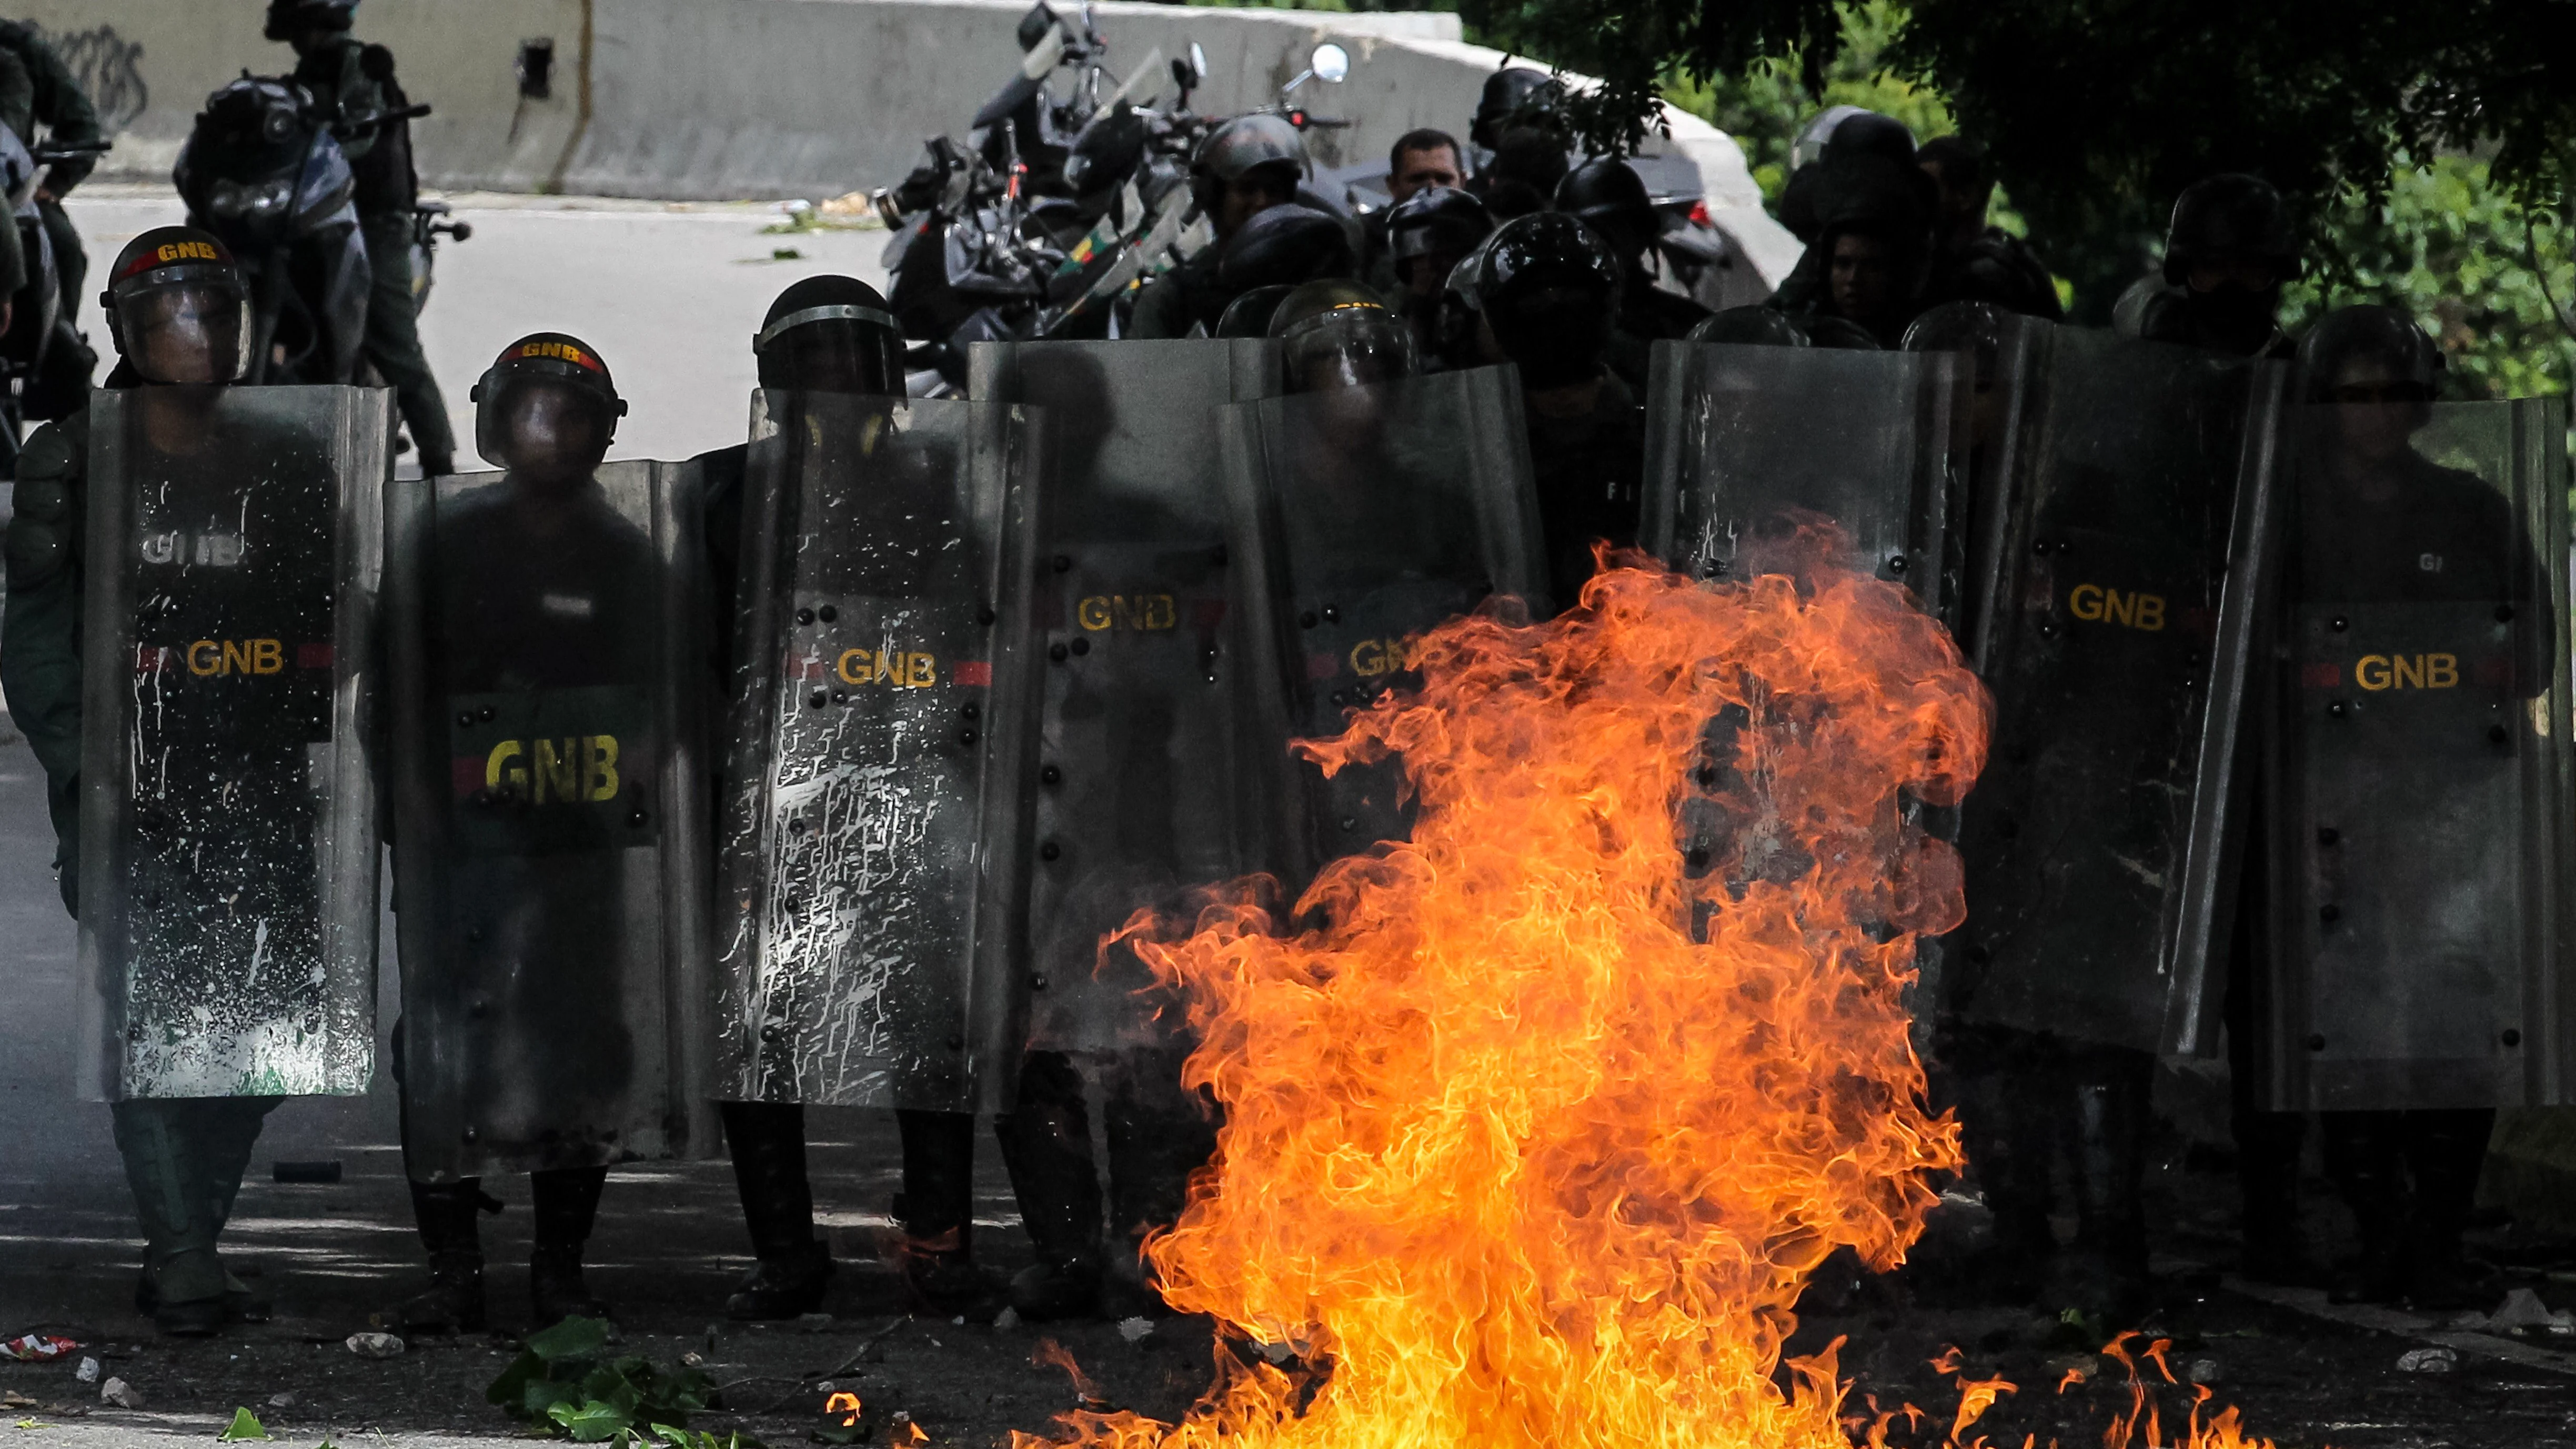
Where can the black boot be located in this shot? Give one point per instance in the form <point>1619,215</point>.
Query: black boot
<point>566,1203</point>
<point>2445,1151</point>
<point>2270,1146</point>
<point>1046,1144</point>
<point>2111,1091</point>
<point>767,1141</point>
<point>936,1211</point>
<point>1158,1134</point>
<point>2013,1146</point>
<point>450,1228</point>
<point>2365,1159</point>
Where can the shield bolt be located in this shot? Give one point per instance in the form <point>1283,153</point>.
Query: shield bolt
<point>2330,913</point>
<point>1038,982</point>
<point>827,613</point>
<point>804,616</point>
<point>796,826</point>
<point>2316,1043</point>
<point>465,718</point>
<point>1081,646</point>
<point>2498,733</point>
<point>1332,615</point>
<point>1050,775</point>
<point>2328,835</point>
<point>1056,652</point>
<point>818,699</point>
<point>769,1032</point>
<point>1063,563</point>
<point>966,737</point>
<point>840,696</point>
<point>2336,709</point>
<point>484,714</point>
<point>2511,1037</point>
<point>1350,823</point>
<point>985,615</point>
<point>2040,547</point>
<point>956,1041</point>
<point>134,1033</point>
<point>2339,623</point>
<point>1698,857</point>
<point>970,710</point>
<point>473,935</point>
<point>637,817</point>
<point>2048,628</point>
<point>1306,620</point>
<point>471,1135</point>
<point>1050,851</point>
<point>1896,564</point>
<point>2504,615</point>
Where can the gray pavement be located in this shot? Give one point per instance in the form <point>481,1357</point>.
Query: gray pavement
<point>669,294</point>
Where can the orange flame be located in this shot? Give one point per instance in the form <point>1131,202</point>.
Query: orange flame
<point>846,1405</point>
<point>1535,1131</point>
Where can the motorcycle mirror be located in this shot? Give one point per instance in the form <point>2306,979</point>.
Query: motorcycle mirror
<point>1330,63</point>
<point>1198,64</point>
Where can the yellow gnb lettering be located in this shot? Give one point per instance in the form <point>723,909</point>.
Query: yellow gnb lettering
<point>900,669</point>
<point>236,656</point>
<point>2407,671</point>
<point>497,769</point>
<point>185,251</point>
<point>2095,604</point>
<point>599,767</point>
<point>1128,611</point>
<point>571,770</point>
<point>1372,657</point>
<point>558,772</point>
<point>1094,612</point>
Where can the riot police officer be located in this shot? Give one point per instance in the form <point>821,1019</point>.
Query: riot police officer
<point>1428,233</point>
<point>1245,167</point>
<point>37,89</point>
<point>1972,261</point>
<point>1609,196</point>
<point>2229,250</point>
<point>353,82</point>
<point>1337,333</point>
<point>831,334</point>
<point>534,583</point>
<point>178,312</point>
<point>1544,289</point>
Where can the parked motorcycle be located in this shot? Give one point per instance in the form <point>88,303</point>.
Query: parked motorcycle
<point>43,364</point>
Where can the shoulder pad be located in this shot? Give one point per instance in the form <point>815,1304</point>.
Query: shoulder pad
<point>47,454</point>
<point>376,61</point>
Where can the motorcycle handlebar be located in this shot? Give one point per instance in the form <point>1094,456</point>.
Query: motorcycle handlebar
<point>347,129</point>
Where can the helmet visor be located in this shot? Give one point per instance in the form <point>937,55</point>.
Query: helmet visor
<point>541,427</point>
<point>1347,347</point>
<point>832,349</point>
<point>189,331</point>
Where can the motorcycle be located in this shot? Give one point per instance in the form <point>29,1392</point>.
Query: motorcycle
<point>265,173</point>
<point>1058,205</point>
<point>430,221</point>
<point>38,333</point>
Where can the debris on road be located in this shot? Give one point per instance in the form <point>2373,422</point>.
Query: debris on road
<point>87,1372</point>
<point>1135,1330</point>
<point>37,1347</point>
<point>375,1345</point>
<point>245,1425</point>
<point>2435,1360</point>
<point>117,1393</point>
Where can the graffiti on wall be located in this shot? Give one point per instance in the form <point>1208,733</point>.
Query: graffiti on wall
<point>109,67</point>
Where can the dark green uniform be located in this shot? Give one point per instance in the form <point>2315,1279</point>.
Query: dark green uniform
<point>184,1157</point>
<point>350,80</point>
<point>36,88</point>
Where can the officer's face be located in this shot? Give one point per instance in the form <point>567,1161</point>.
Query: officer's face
<point>2250,276</point>
<point>184,335</point>
<point>1863,276</point>
<point>2375,409</point>
<point>1426,274</point>
<point>1246,196</point>
<point>553,434</point>
<point>1415,170</point>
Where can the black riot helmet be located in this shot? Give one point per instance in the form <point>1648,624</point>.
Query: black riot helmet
<point>286,17</point>
<point>2230,219</point>
<point>830,334</point>
<point>1610,197</point>
<point>1337,333</point>
<point>1754,326</point>
<point>178,307</point>
<point>1510,92</point>
<point>1242,146</point>
<point>1284,245</point>
<point>1975,328</point>
<point>1433,222</point>
<point>1249,315</point>
<point>546,410</point>
<point>1548,287</point>
<point>2369,355</point>
<point>1825,329</point>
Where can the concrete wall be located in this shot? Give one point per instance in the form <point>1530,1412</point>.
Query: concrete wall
<point>717,99</point>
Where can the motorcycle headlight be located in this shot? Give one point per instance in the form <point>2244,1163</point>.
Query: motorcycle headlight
<point>271,199</point>
<point>226,199</point>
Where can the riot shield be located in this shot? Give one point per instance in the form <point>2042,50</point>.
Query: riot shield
<point>1359,518</point>
<point>2118,640</point>
<point>2417,762</point>
<point>1744,443</point>
<point>228,814</point>
<point>874,838</point>
<point>1144,789</point>
<point>551,671</point>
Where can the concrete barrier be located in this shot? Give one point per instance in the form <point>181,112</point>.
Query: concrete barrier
<point>724,99</point>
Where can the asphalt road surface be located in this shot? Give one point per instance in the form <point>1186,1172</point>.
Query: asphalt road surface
<point>670,296</point>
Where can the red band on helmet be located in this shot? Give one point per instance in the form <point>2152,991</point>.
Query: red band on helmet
<point>560,352</point>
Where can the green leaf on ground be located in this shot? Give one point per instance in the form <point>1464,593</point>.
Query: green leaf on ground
<point>245,1425</point>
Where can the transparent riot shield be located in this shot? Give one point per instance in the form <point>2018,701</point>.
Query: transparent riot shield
<point>228,815</point>
<point>2119,637</point>
<point>551,675</point>
<point>874,840</point>
<point>2417,762</point>
<point>1361,517</point>
<point>1743,444</point>
<point>1144,787</point>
